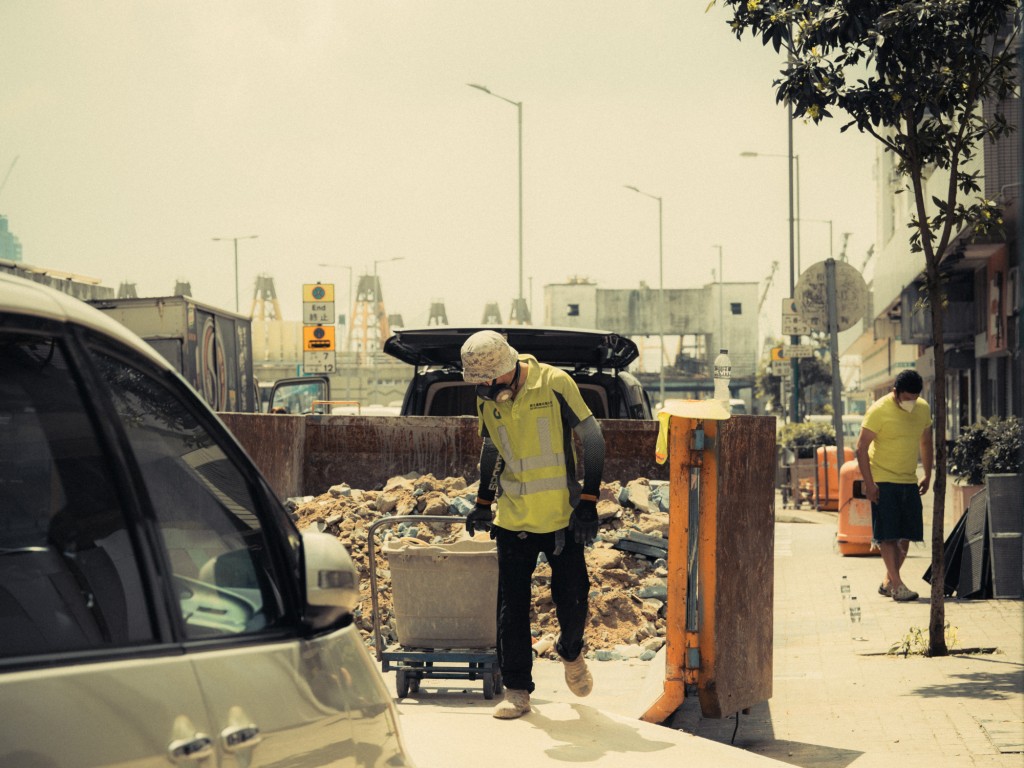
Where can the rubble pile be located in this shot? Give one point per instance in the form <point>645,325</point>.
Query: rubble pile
<point>627,562</point>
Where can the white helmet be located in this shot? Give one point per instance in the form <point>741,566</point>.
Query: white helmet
<point>486,355</point>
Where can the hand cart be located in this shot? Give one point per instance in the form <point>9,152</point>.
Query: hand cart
<point>413,664</point>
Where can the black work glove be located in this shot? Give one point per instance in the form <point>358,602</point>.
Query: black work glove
<point>479,518</point>
<point>583,522</point>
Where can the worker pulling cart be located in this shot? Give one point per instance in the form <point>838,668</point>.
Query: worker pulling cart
<point>444,602</point>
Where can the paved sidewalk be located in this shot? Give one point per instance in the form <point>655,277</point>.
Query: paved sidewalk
<point>838,700</point>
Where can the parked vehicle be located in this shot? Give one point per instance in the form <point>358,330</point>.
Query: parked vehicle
<point>210,347</point>
<point>596,360</point>
<point>158,603</point>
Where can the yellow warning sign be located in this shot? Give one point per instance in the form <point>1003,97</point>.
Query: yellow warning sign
<point>317,338</point>
<point>318,292</point>
<point>779,354</point>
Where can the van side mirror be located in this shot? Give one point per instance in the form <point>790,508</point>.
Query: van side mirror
<point>332,582</point>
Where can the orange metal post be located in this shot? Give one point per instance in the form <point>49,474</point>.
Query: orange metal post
<point>680,461</point>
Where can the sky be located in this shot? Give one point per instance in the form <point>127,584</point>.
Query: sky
<point>344,133</point>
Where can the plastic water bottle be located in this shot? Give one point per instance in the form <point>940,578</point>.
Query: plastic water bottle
<point>855,628</point>
<point>844,590</point>
<point>723,372</point>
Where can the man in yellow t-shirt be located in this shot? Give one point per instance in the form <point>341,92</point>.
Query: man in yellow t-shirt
<point>896,427</point>
<point>528,413</point>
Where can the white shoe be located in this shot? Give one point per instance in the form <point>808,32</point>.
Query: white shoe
<point>515,704</point>
<point>578,677</point>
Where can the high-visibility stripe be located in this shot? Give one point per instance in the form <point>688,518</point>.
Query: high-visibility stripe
<point>540,485</point>
<point>545,460</point>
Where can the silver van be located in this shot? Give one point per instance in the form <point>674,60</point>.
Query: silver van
<point>157,604</point>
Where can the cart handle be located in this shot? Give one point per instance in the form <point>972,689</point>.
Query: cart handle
<point>378,642</point>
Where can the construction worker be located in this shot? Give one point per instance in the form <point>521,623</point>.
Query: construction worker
<point>527,414</point>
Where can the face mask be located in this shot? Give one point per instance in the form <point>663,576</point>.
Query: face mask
<point>498,393</point>
<point>907,405</point>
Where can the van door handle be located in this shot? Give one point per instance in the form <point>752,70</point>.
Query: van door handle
<point>197,747</point>
<point>234,738</point>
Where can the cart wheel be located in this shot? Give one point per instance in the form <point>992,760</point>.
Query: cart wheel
<point>488,688</point>
<point>402,683</point>
<point>414,684</point>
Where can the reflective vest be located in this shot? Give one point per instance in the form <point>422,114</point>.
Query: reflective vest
<point>538,477</point>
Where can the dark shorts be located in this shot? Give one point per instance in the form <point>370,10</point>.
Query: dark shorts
<point>898,513</point>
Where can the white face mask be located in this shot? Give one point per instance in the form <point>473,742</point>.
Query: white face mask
<point>907,405</point>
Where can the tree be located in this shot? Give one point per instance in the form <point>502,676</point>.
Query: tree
<point>913,75</point>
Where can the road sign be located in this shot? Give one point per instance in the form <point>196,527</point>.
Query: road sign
<point>318,304</point>
<point>779,354</point>
<point>782,368</point>
<point>319,362</point>
<point>800,350</point>
<point>812,291</point>
<point>318,292</point>
<point>318,338</point>
<point>792,323</point>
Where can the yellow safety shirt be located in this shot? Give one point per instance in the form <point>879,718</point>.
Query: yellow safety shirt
<point>536,449</point>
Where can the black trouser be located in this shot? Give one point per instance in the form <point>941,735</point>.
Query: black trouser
<point>570,590</point>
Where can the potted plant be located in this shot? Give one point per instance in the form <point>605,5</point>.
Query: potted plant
<point>991,446</point>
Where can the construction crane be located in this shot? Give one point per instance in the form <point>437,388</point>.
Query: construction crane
<point>842,252</point>
<point>767,285</point>
<point>8,174</point>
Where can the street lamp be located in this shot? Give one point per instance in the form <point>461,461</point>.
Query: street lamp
<point>381,261</point>
<point>661,296</point>
<point>793,218</point>
<point>522,312</point>
<point>721,300</point>
<point>829,222</point>
<point>794,250</point>
<point>235,240</point>
<point>348,309</point>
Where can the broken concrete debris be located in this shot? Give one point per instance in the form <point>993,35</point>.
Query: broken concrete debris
<point>627,564</point>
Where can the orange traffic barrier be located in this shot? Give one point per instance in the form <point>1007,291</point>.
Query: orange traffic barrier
<point>827,474</point>
<point>853,535</point>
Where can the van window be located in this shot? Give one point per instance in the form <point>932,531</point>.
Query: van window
<point>69,577</point>
<point>204,507</point>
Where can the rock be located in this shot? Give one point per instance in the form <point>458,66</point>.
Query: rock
<point>647,655</point>
<point>656,589</point>
<point>628,651</point>
<point>339,490</point>
<point>653,644</point>
<point>399,483</point>
<point>638,491</point>
<point>653,522</point>
<point>607,510</point>
<point>605,558</point>
<point>659,495</point>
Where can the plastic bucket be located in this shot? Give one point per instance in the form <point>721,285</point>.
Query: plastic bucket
<point>445,595</point>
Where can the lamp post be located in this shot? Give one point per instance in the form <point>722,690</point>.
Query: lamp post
<point>721,301</point>
<point>794,249</point>
<point>661,295</point>
<point>830,240</point>
<point>522,312</point>
<point>235,240</point>
<point>348,309</point>
<point>381,261</point>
